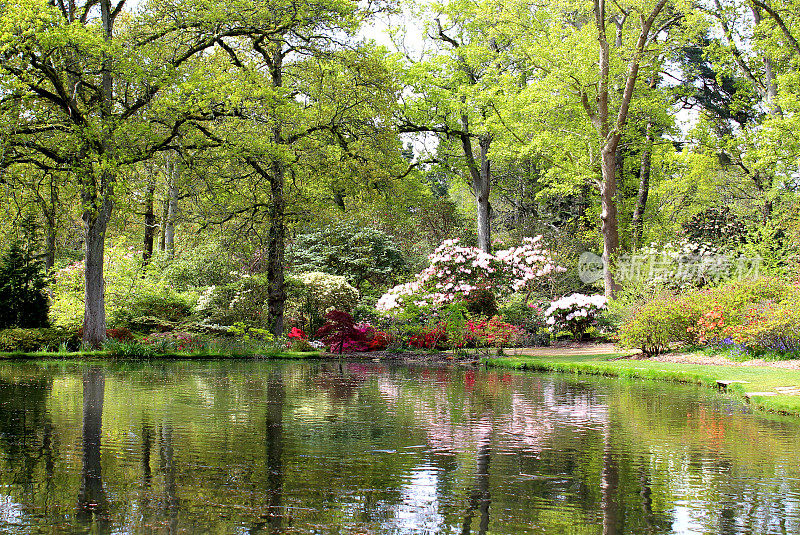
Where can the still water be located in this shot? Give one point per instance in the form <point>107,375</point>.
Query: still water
<point>239,447</point>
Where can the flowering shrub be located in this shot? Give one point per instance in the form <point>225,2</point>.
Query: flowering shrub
<point>297,334</point>
<point>575,313</point>
<point>431,337</point>
<point>768,327</point>
<point>122,334</point>
<point>498,333</point>
<point>758,314</point>
<point>173,341</point>
<point>662,321</point>
<point>709,326</point>
<point>455,272</point>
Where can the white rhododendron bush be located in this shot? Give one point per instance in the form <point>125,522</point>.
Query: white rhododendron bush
<point>575,313</point>
<point>457,271</point>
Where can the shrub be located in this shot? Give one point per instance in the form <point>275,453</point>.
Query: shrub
<point>430,337</point>
<point>28,340</point>
<point>121,334</point>
<point>360,254</point>
<point>164,304</point>
<point>300,345</point>
<point>575,313</point>
<point>173,341</point>
<point>755,313</point>
<point>242,301</point>
<point>530,316</point>
<point>658,324</point>
<point>457,272</point>
<point>768,327</point>
<point>208,264</point>
<point>339,332</point>
<point>499,333</point>
<point>316,293</point>
<point>22,287</point>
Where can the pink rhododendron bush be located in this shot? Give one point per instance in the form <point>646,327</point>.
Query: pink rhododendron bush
<point>456,272</point>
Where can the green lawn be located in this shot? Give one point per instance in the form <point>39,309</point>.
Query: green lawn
<point>759,378</point>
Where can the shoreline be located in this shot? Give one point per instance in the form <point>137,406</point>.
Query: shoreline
<point>762,386</point>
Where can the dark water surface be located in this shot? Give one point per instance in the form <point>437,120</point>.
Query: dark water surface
<point>325,448</point>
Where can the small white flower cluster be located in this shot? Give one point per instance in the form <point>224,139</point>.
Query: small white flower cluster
<point>574,312</point>
<point>205,298</point>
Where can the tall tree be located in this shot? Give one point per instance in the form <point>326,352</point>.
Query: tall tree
<point>101,92</point>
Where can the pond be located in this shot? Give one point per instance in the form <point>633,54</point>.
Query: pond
<point>235,447</point>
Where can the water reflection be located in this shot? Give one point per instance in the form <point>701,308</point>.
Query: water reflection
<point>92,499</point>
<point>266,448</point>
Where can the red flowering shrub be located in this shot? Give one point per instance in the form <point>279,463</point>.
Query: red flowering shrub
<point>498,333</point>
<point>122,334</point>
<point>434,337</point>
<point>173,341</point>
<point>297,333</point>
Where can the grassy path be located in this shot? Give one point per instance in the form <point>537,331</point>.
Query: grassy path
<point>770,389</point>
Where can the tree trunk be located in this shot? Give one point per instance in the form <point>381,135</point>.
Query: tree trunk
<point>162,236</point>
<point>610,133</point>
<point>96,216</point>
<point>276,247</point>
<point>480,176</point>
<point>609,218</point>
<point>644,187</point>
<point>276,251</point>
<point>172,211</point>
<point>149,221</point>
<point>482,188</point>
<point>50,227</point>
<point>98,204</point>
<point>92,500</point>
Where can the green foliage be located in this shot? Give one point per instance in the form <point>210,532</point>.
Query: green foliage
<point>715,225</point>
<point>242,301</point>
<point>360,254</point>
<point>28,340</point>
<point>22,282</point>
<point>131,349</point>
<point>207,264</point>
<point>658,324</point>
<point>150,305</point>
<point>752,312</point>
<point>315,293</point>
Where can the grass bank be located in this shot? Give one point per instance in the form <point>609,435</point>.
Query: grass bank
<point>754,379</point>
<point>195,355</point>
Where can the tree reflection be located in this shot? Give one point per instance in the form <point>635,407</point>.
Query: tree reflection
<point>26,432</point>
<point>273,516</point>
<point>480,498</point>
<point>92,500</point>
<point>166,455</point>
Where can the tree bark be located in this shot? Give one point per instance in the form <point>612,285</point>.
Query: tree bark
<point>172,210</point>
<point>480,172</point>
<point>95,218</point>
<point>610,134</point>
<point>98,203</point>
<point>276,247</point>
<point>644,187</point>
<point>149,221</point>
